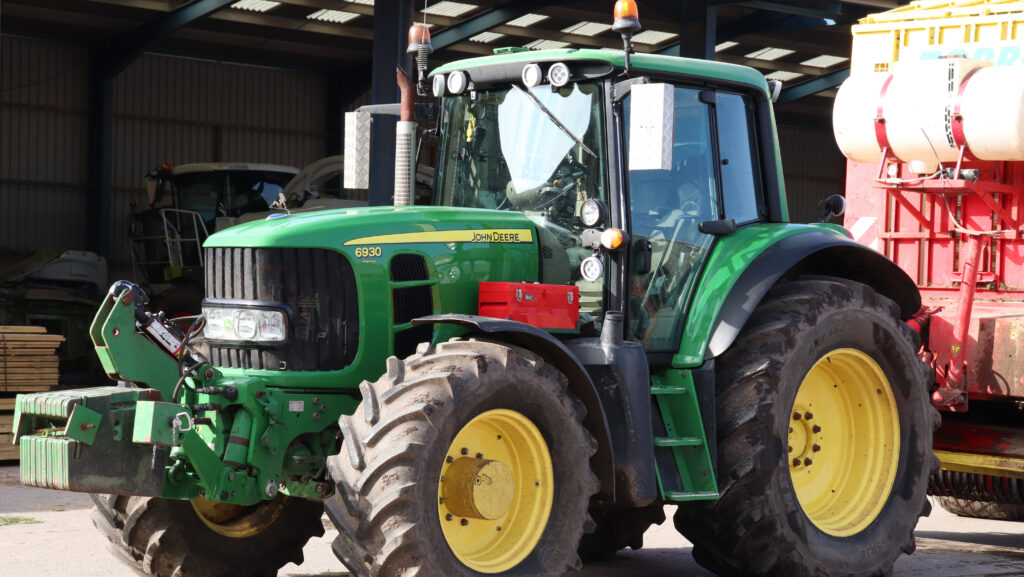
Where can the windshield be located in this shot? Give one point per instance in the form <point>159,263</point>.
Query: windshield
<point>229,193</point>
<point>502,151</point>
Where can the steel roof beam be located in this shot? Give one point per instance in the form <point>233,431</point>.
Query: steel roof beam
<point>759,22</point>
<point>818,9</point>
<point>122,51</point>
<point>819,84</point>
<point>496,16</point>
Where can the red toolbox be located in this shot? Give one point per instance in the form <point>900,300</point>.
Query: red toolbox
<point>545,306</point>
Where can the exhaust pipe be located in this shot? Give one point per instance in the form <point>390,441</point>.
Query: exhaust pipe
<point>405,134</point>
<point>405,143</point>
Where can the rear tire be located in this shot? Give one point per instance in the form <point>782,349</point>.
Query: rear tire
<point>823,371</point>
<point>465,402</point>
<point>168,538</point>
<point>982,509</point>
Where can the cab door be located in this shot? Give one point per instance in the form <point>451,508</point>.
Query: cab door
<point>713,177</point>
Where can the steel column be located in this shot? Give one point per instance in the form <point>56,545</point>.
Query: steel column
<point>390,38</point>
<point>698,25</point>
<point>100,154</point>
<point>343,88</point>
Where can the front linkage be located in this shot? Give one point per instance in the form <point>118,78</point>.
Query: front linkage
<point>175,427</point>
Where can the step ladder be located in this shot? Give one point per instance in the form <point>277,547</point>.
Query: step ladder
<point>693,477</point>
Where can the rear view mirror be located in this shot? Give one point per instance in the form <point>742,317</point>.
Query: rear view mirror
<point>651,123</point>
<point>357,150</point>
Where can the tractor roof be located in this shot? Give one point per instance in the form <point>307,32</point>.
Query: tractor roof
<point>641,63</point>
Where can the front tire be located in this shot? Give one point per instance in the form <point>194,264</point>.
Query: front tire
<point>468,459</point>
<point>171,538</point>
<point>825,430</point>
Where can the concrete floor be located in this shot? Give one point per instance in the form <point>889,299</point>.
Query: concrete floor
<point>61,542</point>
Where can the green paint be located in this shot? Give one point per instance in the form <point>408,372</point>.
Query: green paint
<point>13,520</point>
<point>675,394</point>
<point>641,64</point>
<point>730,257</point>
<point>154,423</point>
<point>455,270</point>
<point>124,352</point>
<point>83,424</point>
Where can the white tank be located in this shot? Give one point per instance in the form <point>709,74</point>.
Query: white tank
<point>918,106</point>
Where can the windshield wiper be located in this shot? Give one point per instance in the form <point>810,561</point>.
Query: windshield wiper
<point>555,119</point>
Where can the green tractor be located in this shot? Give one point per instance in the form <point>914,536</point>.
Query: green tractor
<point>604,311</point>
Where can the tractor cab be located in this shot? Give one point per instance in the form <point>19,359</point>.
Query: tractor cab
<point>666,162</point>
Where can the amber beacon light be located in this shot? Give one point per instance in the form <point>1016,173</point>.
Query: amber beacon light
<point>419,44</point>
<point>627,23</point>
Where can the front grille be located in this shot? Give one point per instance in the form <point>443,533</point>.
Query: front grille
<point>319,287</point>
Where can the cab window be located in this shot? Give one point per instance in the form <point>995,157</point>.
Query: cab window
<point>666,209</point>
<point>738,158</point>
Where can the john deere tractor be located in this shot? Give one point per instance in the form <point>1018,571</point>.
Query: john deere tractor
<point>604,311</point>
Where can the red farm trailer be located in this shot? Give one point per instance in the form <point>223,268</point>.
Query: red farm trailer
<point>932,122</point>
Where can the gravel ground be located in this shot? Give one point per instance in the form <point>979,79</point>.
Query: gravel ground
<point>54,537</point>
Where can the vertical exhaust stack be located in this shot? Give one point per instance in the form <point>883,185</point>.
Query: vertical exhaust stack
<point>405,135</point>
<point>405,143</point>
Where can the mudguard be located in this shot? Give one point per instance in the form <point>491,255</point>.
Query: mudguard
<point>811,253</point>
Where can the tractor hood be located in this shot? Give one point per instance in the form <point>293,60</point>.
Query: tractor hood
<point>389,227</point>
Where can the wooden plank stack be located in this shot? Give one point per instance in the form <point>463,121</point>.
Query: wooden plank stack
<point>28,364</point>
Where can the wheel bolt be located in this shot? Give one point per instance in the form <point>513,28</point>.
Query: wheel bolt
<point>808,415</point>
<point>815,429</point>
<point>464,522</point>
<point>448,517</point>
<point>815,448</point>
<point>465,451</point>
<point>790,449</point>
<point>449,460</point>
<point>441,500</point>
<point>791,429</point>
<point>796,416</point>
<point>796,462</point>
<point>479,455</point>
<point>807,462</point>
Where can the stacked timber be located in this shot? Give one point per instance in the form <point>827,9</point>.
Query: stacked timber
<point>28,364</point>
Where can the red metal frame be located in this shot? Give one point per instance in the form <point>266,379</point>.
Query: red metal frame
<point>960,240</point>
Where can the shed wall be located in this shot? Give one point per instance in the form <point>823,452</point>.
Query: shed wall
<point>813,168</point>
<point>166,109</point>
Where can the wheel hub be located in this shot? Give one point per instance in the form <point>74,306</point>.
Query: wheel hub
<point>238,521</point>
<point>843,442</point>
<point>805,438</point>
<point>478,488</point>
<point>495,491</point>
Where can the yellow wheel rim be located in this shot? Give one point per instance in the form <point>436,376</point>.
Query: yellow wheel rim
<point>495,491</point>
<point>844,442</point>
<point>239,521</point>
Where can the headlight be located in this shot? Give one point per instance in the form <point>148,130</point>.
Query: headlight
<point>457,82</point>
<point>558,74</point>
<point>245,324</point>
<point>439,85</point>
<point>532,75</point>
<point>593,213</point>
